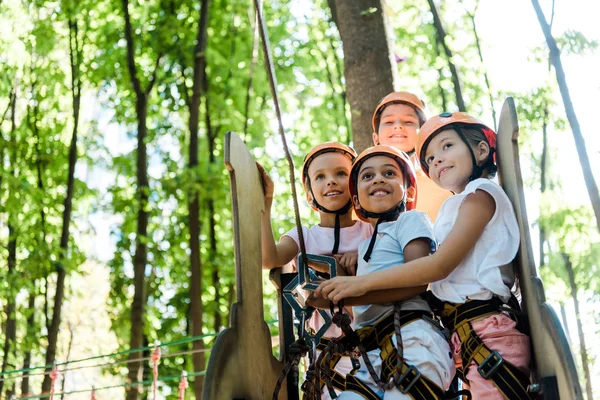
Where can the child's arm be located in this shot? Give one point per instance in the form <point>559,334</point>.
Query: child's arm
<point>273,254</point>
<point>473,216</point>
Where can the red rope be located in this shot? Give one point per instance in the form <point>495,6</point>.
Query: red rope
<point>93,393</point>
<point>183,384</point>
<point>155,359</point>
<point>54,377</point>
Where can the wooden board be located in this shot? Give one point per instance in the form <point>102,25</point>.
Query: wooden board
<point>241,364</point>
<point>550,347</point>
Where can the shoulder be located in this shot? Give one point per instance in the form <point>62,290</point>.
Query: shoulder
<point>414,217</point>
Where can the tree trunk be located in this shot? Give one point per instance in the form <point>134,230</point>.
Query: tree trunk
<point>440,77</point>
<point>10,327</point>
<point>74,52</point>
<point>588,176</point>
<point>30,333</point>
<point>543,167</point>
<point>582,346</point>
<point>253,59</point>
<point>441,33</point>
<point>485,75</point>
<point>196,308</point>
<point>136,367</point>
<point>211,136</point>
<point>369,65</point>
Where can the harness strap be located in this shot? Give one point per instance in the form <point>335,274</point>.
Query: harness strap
<point>411,381</point>
<point>510,380</point>
<point>375,336</point>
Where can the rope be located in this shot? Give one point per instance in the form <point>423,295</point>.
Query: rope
<point>273,84</point>
<point>155,360</point>
<point>183,384</point>
<point>298,349</point>
<point>129,384</point>
<point>5,375</point>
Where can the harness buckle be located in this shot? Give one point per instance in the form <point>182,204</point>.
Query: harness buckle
<point>406,389</point>
<point>493,361</point>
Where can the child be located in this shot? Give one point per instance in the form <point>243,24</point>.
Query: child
<point>396,122</point>
<point>325,178</point>
<point>384,190</point>
<point>471,272</point>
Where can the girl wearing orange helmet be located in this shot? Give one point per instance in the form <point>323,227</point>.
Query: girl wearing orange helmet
<point>471,273</point>
<point>384,191</point>
<point>325,178</point>
<point>396,122</point>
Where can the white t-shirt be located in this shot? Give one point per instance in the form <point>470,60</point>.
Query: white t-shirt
<point>392,238</point>
<point>319,240</point>
<point>486,270</point>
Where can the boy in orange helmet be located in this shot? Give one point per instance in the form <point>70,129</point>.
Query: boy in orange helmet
<point>396,122</point>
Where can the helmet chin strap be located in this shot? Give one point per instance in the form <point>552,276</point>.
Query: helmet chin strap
<point>390,215</point>
<point>338,213</point>
<point>477,170</point>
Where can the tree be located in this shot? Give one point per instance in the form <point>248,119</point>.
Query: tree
<point>555,59</point>
<point>369,66</point>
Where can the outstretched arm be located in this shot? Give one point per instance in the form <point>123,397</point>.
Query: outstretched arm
<point>474,214</point>
<point>273,254</point>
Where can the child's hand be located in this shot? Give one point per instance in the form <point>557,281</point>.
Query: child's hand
<point>340,287</point>
<point>268,186</point>
<point>317,302</point>
<point>348,261</point>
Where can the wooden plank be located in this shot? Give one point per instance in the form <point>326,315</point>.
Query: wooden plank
<point>241,364</point>
<point>550,347</point>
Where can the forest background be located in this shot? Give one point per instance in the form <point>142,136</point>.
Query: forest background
<point>115,211</point>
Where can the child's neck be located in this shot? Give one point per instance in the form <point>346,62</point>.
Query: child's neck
<point>484,175</point>
<point>328,220</point>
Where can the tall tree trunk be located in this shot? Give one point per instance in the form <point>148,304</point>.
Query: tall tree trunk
<point>485,75</point>
<point>582,346</point>
<point>588,176</point>
<point>369,66</point>
<point>196,308</point>
<point>136,340</point>
<point>10,327</point>
<point>211,136</point>
<point>543,167</point>
<point>75,59</point>
<point>30,333</point>
<point>441,33</point>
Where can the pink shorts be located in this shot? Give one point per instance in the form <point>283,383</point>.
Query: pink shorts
<point>499,333</point>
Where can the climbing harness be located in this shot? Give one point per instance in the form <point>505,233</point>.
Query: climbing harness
<point>510,380</point>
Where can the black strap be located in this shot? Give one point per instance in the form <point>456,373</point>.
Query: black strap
<point>367,255</point>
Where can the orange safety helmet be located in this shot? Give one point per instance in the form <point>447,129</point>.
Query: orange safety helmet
<point>401,158</point>
<point>401,98</point>
<point>436,124</point>
<point>326,147</point>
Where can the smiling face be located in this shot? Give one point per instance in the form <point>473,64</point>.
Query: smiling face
<point>328,174</point>
<point>449,160</point>
<point>380,185</point>
<point>398,127</point>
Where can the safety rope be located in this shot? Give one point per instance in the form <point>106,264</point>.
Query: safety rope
<point>183,384</point>
<point>273,84</point>
<point>298,349</point>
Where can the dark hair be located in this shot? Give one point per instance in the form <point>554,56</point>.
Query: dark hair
<point>378,116</point>
<point>474,136</point>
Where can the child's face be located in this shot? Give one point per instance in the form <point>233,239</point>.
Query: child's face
<point>380,184</point>
<point>328,174</point>
<point>398,127</point>
<point>449,160</point>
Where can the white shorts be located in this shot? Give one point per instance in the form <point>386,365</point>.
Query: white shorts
<point>424,348</point>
